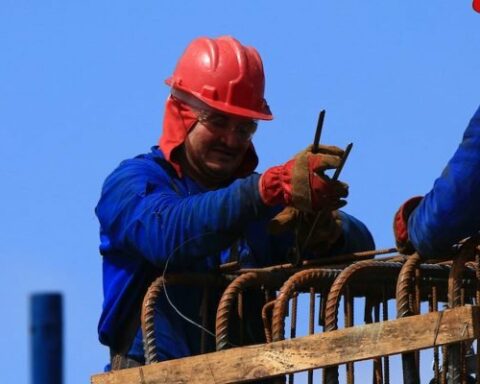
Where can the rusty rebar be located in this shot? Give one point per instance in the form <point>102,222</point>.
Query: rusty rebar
<point>337,289</point>
<point>386,359</point>
<point>416,310</point>
<point>455,355</point>
<point>434,308</point>
<point>293,325</point>
<point>311,326</point>
<point>150,301</point>
<point>322,300</point>
<point>404,293</point>
<point>293,315</point>
<point>348,311</point>
<point>241,282</point>
<point>321,277</point>
<point>404,286</point>
<point>226,303</point>
<point>266,318</point>
<point>333,261</point>
<point>344,278</point>
<point>377,361</point>
<point>148,325</point>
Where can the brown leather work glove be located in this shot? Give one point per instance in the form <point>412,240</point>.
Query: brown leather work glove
<point>327,229</point>
<point>302,183</point>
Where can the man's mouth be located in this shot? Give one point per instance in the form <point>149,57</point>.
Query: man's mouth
<point>224,152</point>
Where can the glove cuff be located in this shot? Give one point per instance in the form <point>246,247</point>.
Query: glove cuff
<point>275,185</point>
<point>400,225</point>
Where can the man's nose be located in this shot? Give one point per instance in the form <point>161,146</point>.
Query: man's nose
<point>231,138</point>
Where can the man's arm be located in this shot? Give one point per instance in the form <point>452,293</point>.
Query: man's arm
<point>142,213</point>
<point>451,210</point>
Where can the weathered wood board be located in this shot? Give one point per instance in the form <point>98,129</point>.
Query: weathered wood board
<point>239,365</point>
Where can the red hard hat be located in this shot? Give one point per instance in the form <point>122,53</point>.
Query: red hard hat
<point>223,74</point>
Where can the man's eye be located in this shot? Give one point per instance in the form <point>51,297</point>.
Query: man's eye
<point>218,121</point>
<point>248,127</point>
<point>244,130</point>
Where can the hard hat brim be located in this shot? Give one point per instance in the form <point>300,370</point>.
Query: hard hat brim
<point>225,107</point>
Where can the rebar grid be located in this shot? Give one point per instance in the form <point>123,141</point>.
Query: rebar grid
<point>338,288</point>
<point>455,281</point>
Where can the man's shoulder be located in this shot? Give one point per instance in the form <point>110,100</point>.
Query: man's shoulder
<point>153,162</point>
<point>148,167</point>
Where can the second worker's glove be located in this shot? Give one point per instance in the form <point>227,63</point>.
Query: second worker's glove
<point>400,225</point>
<point>301,182</point>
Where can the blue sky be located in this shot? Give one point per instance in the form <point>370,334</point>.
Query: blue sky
<point>81,88</point>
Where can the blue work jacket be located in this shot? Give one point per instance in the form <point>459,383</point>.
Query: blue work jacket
<point>148,215</point>
<point>450,212</point>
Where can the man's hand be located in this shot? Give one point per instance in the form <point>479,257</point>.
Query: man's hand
<point>302,183</point>
<point>316,231</point>
<point>400,225</point>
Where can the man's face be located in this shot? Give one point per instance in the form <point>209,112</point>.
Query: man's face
<point>215,147</point>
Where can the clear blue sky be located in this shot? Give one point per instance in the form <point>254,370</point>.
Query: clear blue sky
<point>81,88</point>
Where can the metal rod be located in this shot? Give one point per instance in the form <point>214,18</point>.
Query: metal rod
<point>348,310</point>
<point>386,359</point>
<point>318,131</point>
<point>319,213</point>
<point>293,326</point>
<point>311,326</point>
<point>378,361</point>
<point>436,364</point>
<point>342,163</point>
<point>241,317</point>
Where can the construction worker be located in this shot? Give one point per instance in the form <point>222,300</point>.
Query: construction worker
<point>194,201</point>
<point>450,212</point>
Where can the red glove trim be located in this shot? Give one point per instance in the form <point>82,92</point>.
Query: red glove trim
<point>400,221</point>
<point>275,185</point>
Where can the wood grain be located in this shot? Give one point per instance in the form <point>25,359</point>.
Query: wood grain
<point>239,365</point>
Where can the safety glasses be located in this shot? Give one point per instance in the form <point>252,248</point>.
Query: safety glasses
<point>218,123</point>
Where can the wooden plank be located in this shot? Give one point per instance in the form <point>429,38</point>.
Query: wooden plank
<point>239,365</point>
